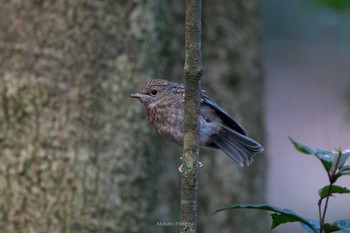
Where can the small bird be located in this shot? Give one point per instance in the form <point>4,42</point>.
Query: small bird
<point>164,102</point>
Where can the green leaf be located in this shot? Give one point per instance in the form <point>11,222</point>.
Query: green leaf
<point>301,147</point>
<point>278,219</point>
<point>329,159</point>
<point>326,158</point>
<point>345,170</point>
<point>323,192</point>
<point>344,156</point>
<point>316,225</point>
<point>330,228</point>
<point>343,225</point>
<point>281,215</point>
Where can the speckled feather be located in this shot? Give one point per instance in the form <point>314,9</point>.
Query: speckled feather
<point>164,102</point>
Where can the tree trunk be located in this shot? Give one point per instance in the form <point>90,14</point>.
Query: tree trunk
<point>74,154</point>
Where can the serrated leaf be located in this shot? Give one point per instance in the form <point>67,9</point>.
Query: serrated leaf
<point>330,228</point>
<point>343,225</point>
<point>301,147</point>
<point>285,215</point>
<point>324,192</point>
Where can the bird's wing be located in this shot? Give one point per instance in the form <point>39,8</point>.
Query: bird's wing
<point>227,120</point>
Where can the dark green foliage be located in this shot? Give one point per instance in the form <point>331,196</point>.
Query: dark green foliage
<point>301,147</point>
<point>333,162</point>
<point>328,190</point>
<point>279,216</point>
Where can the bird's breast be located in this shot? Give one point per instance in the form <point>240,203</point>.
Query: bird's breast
<point>168,121</point>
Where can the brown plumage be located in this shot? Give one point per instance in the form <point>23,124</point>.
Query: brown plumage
<point>164,102</point>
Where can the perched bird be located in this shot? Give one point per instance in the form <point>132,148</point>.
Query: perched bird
<point>164,102</point>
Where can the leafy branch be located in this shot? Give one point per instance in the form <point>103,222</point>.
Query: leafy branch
<point>334,165</point>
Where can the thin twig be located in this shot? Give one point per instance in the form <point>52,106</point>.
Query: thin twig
<point>193,70</point>
<point>332,179</point>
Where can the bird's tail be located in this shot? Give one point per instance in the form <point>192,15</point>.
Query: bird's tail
<point>238,147</point>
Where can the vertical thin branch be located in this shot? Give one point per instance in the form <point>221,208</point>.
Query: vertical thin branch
<point>193,71</point>
<point>332,179</point>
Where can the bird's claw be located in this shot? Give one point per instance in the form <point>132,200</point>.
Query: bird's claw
<point>181,168</point>
<point>198,165</point>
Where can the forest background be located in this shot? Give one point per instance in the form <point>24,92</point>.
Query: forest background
<point>77,154</point>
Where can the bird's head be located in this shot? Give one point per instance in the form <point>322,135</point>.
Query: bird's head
<point>151,92</point>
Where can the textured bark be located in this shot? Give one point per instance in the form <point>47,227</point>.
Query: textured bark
<point>74,154</point>
<point>193,71</point>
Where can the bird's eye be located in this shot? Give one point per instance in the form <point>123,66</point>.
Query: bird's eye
<point>154,92</point>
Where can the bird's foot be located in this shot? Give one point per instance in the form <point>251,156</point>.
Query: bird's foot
<point>199,163</point>
<point>181,168</point>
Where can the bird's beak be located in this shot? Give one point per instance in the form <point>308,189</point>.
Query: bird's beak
<point>136,95</point>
